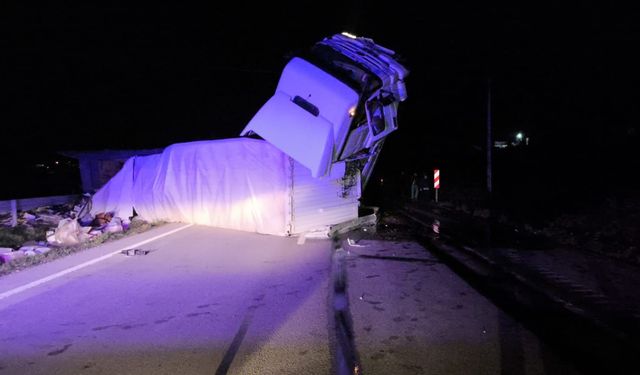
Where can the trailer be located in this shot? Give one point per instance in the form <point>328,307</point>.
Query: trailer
<point>299,166</point>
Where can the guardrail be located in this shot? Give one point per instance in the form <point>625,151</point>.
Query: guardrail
<point>14,205</point>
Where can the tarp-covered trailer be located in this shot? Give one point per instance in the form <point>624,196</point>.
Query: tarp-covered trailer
<point>301,163</point>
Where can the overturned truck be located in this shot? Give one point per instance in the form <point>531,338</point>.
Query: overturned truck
<point>299,166</point>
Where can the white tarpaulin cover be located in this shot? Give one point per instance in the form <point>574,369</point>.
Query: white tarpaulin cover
<point>236,183</point>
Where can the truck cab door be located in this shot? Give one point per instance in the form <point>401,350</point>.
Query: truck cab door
<point>294,126</point>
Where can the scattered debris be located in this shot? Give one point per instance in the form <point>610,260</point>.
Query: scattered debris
<point>353,243</point>
<point>102,219</point>
<point>34,250</point>
<point>436,226</point>
<point>131,252</point>
<point>69,233</point>
<point>28,217</point>
<point>115,225</point>
<point>43,228</point>
<point>11,256</point>
<point>302,239</point>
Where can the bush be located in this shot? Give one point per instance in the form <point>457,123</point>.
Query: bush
<point>16,236</point>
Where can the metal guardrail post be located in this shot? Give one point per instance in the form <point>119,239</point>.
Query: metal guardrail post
<point>14,213</point>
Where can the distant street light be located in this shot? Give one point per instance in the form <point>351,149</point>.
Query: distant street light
<point>518,140</point>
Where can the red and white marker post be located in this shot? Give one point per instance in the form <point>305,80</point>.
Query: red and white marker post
<point>436,182</point>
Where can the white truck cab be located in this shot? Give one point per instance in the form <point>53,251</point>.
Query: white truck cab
<point>335,104</point>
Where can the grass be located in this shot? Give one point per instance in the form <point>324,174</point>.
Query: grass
<point>17,236</point>
<point>23,233</point>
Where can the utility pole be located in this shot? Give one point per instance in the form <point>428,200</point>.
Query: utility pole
<point>489,142</point>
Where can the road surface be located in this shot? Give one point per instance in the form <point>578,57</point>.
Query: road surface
<point>202,301</point>
<point>212,301</point>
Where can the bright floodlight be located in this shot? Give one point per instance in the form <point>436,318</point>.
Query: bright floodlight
<point>519,136</point>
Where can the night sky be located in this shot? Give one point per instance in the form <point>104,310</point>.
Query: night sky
<point>91,77</point>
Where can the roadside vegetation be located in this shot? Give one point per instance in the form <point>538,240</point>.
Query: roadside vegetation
<point>609,226</point>
<point>26,234</point>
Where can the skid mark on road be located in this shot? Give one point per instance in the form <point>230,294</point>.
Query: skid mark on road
<point>59,351</point>
<point>164,320</point>
<point>223,368</point>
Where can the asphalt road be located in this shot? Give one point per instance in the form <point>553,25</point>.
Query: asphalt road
<point>214,301</point>
<point>413,315</point>
<point>202,301</point>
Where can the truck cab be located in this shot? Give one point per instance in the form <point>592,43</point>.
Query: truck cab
<point>334,105</point>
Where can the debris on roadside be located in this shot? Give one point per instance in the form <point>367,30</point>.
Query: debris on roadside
<point>11,256</point>
<point>102,219</point>
<point>131,252</point>
<point>353,243</point>
<point>28,217</point>
<point>68,233</point>
<point>41,229</point>
<point>114,226</point>
<point>35,250</point>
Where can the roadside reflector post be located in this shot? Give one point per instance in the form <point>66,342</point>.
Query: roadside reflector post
<point>436,182</point>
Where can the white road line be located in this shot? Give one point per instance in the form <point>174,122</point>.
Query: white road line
<point>83,265</point>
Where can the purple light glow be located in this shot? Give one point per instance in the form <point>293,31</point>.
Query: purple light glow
<point>187,298</point>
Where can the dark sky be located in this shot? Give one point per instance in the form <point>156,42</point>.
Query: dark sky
<point>134,76</point>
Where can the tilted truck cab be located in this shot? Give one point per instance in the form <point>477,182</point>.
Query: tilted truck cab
<point>335,104</point>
